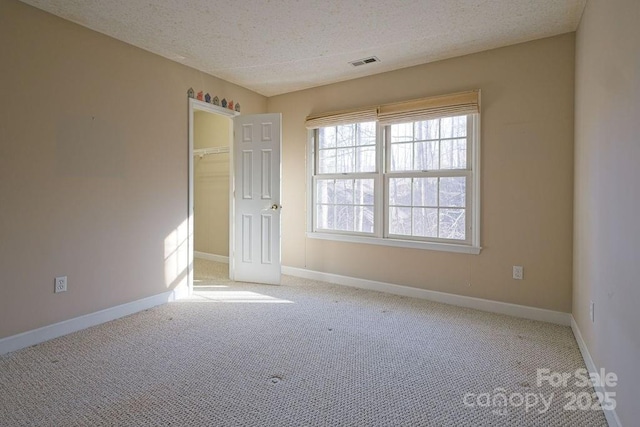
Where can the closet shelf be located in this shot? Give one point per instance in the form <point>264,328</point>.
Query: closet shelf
<point>201,152</point>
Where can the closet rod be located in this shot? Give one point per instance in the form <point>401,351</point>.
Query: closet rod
<point>201,152</point>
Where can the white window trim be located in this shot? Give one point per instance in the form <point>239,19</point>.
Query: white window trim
<point>414,244</point>
<point>473,247</point>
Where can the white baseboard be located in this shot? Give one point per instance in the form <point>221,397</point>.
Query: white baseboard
<point>211,257</point>
<point>36,336</point>
<point>611,415</point>
<point>443,297</point>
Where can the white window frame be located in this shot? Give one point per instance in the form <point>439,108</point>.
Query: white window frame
<point>381,181</point>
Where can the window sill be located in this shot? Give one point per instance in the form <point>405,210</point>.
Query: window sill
<point>442,247</point>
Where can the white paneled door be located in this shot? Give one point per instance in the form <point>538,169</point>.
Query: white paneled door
<point>256,195</point>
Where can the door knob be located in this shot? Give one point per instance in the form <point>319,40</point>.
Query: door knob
<point>275,207</point>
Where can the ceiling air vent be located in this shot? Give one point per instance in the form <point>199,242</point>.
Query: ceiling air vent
<point>368,60</point>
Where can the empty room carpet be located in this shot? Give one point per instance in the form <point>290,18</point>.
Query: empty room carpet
<point>302,354</point>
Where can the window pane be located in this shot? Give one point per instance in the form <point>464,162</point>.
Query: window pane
<point>452,224</point>
<point>325,191</point>
<point>402,132</point>
<point>426,155</point>
<point>425,192</point>
<point>400,191</point>
<point>345,204</point>
<point>453,154</point>
<point>325,217</point>
<point>453,191</point>
<point>327,161</point>
<point>344,191</point>
<point>344,218</point>
<point>327,137</point>
<point>366,133</point>
<point>427,129</point>
<point>366,159</point>
<point>402,157</point>
<point>425,222</point>
<point>363,192</point>
<point>459,126</point>
<point>446,127</point>
<point>344,160</point>
<point>346,135</point>
<point>364,219</point>
<point>400,221</point>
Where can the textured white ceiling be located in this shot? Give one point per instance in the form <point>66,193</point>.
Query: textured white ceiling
<point>279,46</point>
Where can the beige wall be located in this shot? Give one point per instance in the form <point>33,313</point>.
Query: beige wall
<point>93,168</point>
<point>211,185</point>
<point>527,174</point>
<point>607,199</point>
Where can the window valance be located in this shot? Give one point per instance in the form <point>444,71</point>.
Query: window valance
<point>342,118</point>
<point>418,109</point>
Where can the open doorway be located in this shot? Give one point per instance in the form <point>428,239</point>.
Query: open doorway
<point>253,158</point>
<point>210,156</point>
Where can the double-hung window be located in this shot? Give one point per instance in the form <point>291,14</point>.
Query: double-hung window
<point>346,179</point>
<point>407,175</point>
<point>427,179</point>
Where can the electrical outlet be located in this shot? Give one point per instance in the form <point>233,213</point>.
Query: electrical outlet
<point>60,284</point>
<point>518,272</point>
<point>592,309</point>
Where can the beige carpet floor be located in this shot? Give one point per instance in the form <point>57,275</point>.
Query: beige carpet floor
<point>302,354</point>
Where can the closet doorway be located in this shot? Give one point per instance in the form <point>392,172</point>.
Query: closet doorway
<point>210,146</point>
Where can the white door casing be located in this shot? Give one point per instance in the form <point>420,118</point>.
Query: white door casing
<point>256,209</point>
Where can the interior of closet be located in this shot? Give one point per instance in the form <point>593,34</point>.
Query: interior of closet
<point>211,185</point>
